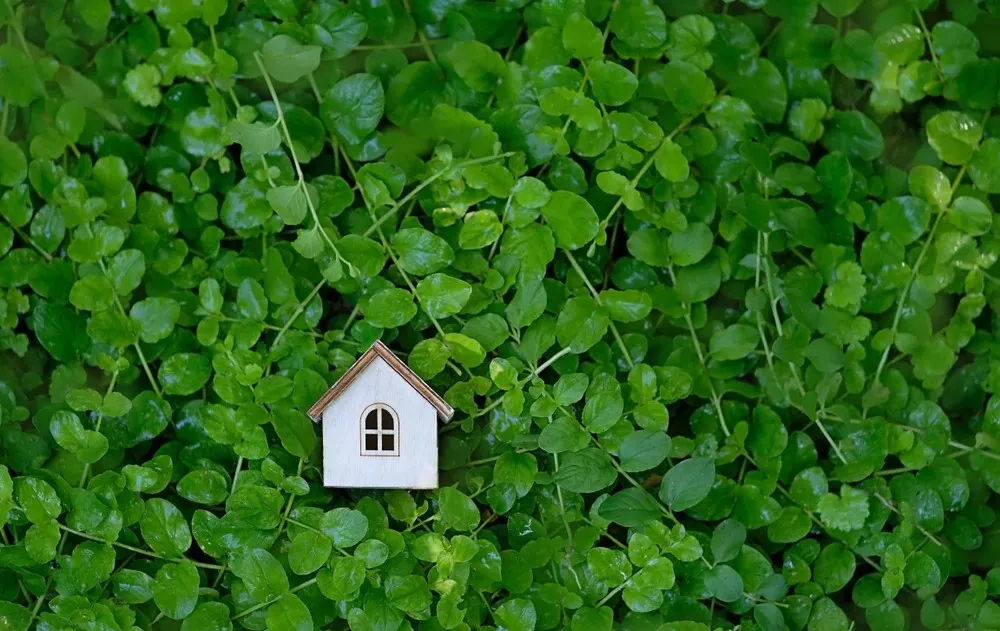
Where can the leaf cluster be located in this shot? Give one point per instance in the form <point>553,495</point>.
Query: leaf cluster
<point>712,286</point>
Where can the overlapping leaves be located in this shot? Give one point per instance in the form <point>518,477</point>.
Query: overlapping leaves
<point>710,286</point>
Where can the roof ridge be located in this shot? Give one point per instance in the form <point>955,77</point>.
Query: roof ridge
<point>379,349</point>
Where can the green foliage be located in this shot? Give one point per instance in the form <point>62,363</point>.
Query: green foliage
<point>711,285</point>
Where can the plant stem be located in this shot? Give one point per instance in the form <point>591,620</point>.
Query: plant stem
<point>291,500</point>
<point>919,528</point>
<point>295,159</point>
<point>476,463</point>
<point>402,202</point>
<point>298,311</point>
<point>716,399</point>
<point>315,88</point>
<point>534,373</point>
<point>97,427</point>
<point>138,349</point>
<point>259,606</point>
<point>420,34</point>
<point>611,594</point>
<point>388,46</point>
<point>764,236</point>
<point>903,295</point>
<point>27,239</point>
<point>149,553</point>
<point>597,297</point>
<point>236,473</point>
<point>927,36</point>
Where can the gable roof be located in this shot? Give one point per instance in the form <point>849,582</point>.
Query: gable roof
<point>378,349</point>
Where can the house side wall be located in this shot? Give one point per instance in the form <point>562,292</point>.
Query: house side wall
<point>416,466</point>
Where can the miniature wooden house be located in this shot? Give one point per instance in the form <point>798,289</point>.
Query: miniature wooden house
<point>380,426</point>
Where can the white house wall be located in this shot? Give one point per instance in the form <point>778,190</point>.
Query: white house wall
<point>416,465</point>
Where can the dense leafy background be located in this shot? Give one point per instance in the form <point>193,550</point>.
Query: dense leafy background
<point>712,286</point>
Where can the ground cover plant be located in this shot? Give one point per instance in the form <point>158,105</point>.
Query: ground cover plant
<point>711,285</point>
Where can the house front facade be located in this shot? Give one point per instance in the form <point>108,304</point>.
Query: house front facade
<point>380,426</point>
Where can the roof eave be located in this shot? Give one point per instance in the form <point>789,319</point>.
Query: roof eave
<point>444,411</point>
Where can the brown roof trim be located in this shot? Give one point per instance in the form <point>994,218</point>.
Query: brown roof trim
<point>378,349</point>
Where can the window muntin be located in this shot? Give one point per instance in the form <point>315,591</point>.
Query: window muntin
<point>379,431</point>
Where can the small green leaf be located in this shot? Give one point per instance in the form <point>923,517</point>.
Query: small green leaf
<point>954,136</point>
<point>255,137</point>
<point>353,107</point>
<point>442,295</point>
<point>346,527</point>
<point>846,512</point>
<point>175,589</point>
<point>287,60</point>
<point>671,163</point>
<point>261,573</point>
<point>289,202</point>
<point>687,483</point>
<point>734,342</point>
<point>724,583</point>
<point>572,218</point>
<point>164,528</point>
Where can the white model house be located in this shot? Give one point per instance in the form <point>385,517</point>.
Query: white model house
<point>380,426</point>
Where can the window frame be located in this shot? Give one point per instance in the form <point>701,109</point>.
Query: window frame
<point>382,409</point>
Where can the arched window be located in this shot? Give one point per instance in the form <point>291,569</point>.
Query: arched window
<point>379,431</point>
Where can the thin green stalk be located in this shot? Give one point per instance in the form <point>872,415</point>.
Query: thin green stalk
<point>298,311</point>
<point>138,349</point>
<point>970,449</point>
<point>760,319</point>
<point>424,43</point>
<point>289,520</point>
<point>236,473</point>
<point>291,500</point>
<point>534,373</point>
<point>597,297</point>
<point>829,439</point>
<point>927,36</point>
<point>422,523</point>
<point>389,46</point>
<point>764,237</point>
<point>97,427</point>
<point>486,522</point>
<point>315,88</point>
<point>611,594</point>
<point>716,399</point>
<point>351,316</point>
<point>476,463</point>
<point>562,508</point>
<point>506,58</point>
<point>27,239</point>
<point>904,294</point>
<point>503,220</point>
<point>402,202</point>
<point>39,601</point>
<point>149,553</point>
<point>888,504</point>
<point>259,606</point>
<point>295,160</point>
